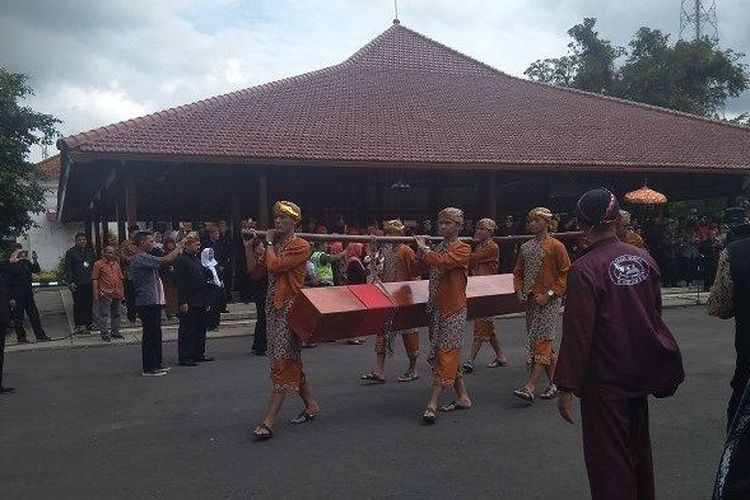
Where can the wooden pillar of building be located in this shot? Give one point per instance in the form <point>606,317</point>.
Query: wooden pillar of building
<point>492,196</point>
<point>122,234</point>
<point>87,229</point>
<point>436,195</point>
<point>235,231</point>
<point>263,217</point>
<point>97,232</point>
<point>131,200</point>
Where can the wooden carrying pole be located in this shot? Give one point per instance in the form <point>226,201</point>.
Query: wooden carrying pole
<point>357,238</point>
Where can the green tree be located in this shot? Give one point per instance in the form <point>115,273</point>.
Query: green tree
<point>692,76</point>
<point>21,128</point>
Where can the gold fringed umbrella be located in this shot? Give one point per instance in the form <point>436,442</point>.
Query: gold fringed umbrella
<point>645,196</point>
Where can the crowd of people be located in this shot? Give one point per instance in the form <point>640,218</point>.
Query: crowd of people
<point>609,276</point>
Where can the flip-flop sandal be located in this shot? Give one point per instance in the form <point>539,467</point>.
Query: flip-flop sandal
<point>303,418</point>
<point>454,406</point>
<point>496,363</point>
<point>522,394</point>
<point>550,393</point>
<point>373,378</point>
<point>408,377</point>
<point>263,436</point>
<point>429,416</point>
<point>467,368</point>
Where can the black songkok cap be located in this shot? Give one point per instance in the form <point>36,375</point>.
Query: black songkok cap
<point>597,207</point>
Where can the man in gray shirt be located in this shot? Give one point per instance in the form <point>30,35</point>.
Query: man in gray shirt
<point>149,298</point>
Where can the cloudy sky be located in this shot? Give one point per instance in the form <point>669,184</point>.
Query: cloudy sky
<point>95,62</point>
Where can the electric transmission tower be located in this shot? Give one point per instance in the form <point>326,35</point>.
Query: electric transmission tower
<point>698,20</point>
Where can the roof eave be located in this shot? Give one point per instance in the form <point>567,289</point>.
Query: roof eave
<point>581,166</point>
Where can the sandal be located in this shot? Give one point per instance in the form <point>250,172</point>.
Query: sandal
<point>263,436</point>
<point>429,416</point>
<point>303,417</point>
<point>468,367</point>
<point>408,377</point>
<point>496,362</point>
<point>549,393</point>
<point>454,406</point>
<point>522,394</point>
<point>373,378</point>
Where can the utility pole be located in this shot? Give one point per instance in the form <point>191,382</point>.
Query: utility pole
<point>698,17</point>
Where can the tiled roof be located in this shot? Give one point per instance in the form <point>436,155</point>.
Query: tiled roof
<point>404,98</point>
<point>50,167</point>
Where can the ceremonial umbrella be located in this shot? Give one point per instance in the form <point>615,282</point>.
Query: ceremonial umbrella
<point>645,196</point>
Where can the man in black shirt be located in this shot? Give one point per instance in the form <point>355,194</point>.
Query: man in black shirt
<point>193,299</point>
<point>5,304</point>
<point>19,290</point>
<point>79,261</point>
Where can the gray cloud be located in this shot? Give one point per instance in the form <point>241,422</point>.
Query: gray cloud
<point>94,62</point>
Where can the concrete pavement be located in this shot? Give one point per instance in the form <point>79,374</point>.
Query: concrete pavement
<point>84,424</point>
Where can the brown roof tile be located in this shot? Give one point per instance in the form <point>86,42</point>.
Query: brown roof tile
<point>50,167</point>
<point>404,98</point>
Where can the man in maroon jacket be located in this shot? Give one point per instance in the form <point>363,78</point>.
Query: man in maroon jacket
<point>616,350</point>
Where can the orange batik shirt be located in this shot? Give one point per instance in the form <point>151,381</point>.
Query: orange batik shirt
<point>448,270</point>
<point>286,275</point>
<point>399,264</point>
<point>484,261</point>
<point>634,239</point>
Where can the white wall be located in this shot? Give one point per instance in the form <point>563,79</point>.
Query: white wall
<point>50,239</point>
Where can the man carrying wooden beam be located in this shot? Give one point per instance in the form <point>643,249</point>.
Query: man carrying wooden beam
<point>448,267</point>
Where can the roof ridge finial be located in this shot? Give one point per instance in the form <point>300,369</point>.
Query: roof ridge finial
<point>395,12</point>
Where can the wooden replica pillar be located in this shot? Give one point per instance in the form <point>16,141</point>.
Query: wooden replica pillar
<point>263,218</point>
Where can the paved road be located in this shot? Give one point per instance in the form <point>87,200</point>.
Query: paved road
<point>84,424</point>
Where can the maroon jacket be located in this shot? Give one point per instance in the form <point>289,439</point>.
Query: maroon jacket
<point>615,344</point>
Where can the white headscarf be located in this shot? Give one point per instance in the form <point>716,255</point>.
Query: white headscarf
<point>208,261</point>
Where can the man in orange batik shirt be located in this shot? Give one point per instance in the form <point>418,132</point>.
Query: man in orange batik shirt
<point>399,263</point>
<point>484,261</point>
<point>540,278</point>
<point>448,266</point>
<point>284,261</point>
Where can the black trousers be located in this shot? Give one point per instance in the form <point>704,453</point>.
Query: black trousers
<point>83,304</point>
<point>151,341</point>
<point>739,383</point>
<point>733,477</point>
<point>130,300</point>
<point>215,306</point>
<point>260,337</point>
<point>3,331</point>
<point>191,335</point>
<point>25,304</point>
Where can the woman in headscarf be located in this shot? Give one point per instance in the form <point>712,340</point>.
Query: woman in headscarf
<point>215,286</point>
